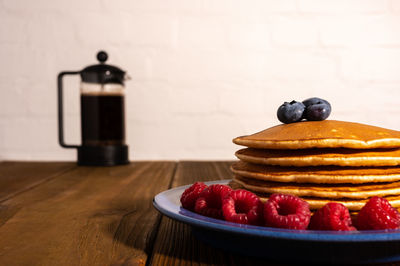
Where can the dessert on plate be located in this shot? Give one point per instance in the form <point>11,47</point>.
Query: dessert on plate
<point>329,167</point>
<point>321,161</point>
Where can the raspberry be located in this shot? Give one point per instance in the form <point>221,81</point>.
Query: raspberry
<point>210,199</point>
<point>377,214</point>
<point>333,216</point>
<point>286,211</point>
<point>242,206</point>
<point>191,194</point>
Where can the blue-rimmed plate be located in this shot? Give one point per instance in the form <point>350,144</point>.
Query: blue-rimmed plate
<point>283,244</point>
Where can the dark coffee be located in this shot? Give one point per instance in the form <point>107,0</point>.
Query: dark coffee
<point>102,119</point>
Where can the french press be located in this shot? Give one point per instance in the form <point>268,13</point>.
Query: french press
<point>102,114</point>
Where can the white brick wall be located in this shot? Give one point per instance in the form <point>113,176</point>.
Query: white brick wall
<point>203,71</point>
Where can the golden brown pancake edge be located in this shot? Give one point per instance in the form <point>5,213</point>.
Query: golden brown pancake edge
<point>322,191</point>
<point>322,174</point>
<point>317,203</point>
<point>322,134</point>
<point>319,157</point>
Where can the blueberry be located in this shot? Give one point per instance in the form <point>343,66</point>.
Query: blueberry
<point>315,100</point>
<point>316,109</point>
<point>290,112</point>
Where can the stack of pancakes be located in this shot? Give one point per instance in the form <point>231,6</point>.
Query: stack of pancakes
<point>321,161</point>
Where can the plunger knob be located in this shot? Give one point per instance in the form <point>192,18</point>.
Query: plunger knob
<point>102,56</point>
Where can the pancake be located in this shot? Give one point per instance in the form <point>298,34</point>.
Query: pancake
<point>322,191</point>
<point>352,205</point>
<point>317,174</point>
<point>322,134</point>
<point>317,203</point>
<point>317,157</point>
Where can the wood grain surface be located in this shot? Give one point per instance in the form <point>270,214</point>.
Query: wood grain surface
<point>85,216</point>
<point>16,177</point>
<point>62,214</point>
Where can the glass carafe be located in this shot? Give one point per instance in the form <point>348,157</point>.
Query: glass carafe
<point>102,114</point>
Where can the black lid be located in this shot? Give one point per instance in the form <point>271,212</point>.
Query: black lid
<point>102,73</point>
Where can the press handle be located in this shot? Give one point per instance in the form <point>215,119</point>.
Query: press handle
<point>60,108</point>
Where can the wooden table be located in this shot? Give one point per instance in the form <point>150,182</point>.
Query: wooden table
<point>63,214</point>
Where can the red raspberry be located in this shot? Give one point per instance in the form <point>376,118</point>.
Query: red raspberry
<point>377,214</point>
<point>242,206</point>
<point>191,194</point>
<point>210,199</point>
<point>286,211</point>
<point>333,216</point>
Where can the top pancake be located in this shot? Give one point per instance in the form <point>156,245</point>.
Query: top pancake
<point>322,134</point>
